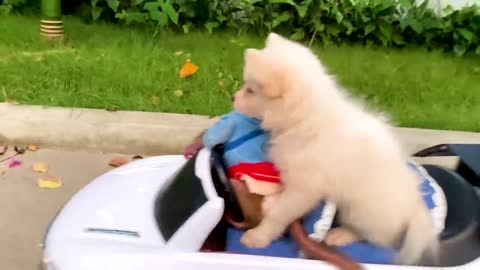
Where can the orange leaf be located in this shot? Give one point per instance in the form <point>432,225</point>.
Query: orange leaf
<point>32,147</point>
<point>2,172</point>
<point>188,69</point>
<point>49,182</point>
<point>40,167</point>
<point>118,161</point>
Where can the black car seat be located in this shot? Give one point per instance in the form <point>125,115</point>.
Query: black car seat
<point>460,239</point>
<point>462,201</point>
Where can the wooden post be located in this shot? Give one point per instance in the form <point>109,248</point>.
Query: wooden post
<point>51,24</point>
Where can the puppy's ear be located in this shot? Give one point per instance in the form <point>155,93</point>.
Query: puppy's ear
<point>274,39</point>
<point>259,69</point>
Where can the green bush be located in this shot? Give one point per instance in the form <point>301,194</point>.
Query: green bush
<point>383,22</point>
<point>23,6</point>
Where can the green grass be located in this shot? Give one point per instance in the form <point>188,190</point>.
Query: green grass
<point>103,66</point>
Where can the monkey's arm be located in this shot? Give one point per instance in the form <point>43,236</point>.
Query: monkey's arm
<point>219,133</point>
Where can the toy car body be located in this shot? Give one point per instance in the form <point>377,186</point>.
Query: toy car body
<point>156,213</point>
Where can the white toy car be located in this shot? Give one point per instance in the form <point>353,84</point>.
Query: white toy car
<point>152,214</point>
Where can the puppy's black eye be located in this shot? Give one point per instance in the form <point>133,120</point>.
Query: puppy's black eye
<point>249,90</point>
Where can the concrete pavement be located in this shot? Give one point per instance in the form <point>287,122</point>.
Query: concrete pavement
<point>26,210</point>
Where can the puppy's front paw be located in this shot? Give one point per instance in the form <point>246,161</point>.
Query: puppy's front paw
<point>254,238</point>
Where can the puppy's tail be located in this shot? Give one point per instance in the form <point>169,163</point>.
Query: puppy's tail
<point>420,243</point>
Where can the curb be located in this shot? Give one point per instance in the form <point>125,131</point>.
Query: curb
<point>144,133</point>
<point>99,130</point>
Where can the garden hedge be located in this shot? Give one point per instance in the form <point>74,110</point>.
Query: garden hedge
<point>383,22</point>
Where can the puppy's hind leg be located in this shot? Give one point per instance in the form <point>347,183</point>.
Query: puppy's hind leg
<point>289,206</point>
<point>341,236</point>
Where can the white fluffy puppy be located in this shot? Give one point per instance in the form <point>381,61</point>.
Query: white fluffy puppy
<point>328,146</point>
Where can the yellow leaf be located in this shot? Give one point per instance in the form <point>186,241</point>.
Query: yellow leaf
<point>40,167</point>
<point>237,42</point>
<point>49,182</point>
<point>188,69</point>
<point>155,100</point>
<point>178,93</point>
<point>11,101</point>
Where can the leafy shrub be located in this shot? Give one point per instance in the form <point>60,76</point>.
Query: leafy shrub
<point>383,22</point>
<point>24,6</point>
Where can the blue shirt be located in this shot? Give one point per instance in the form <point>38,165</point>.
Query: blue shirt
<point>242,136</point>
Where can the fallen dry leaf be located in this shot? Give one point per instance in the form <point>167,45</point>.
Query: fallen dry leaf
<point>49,182</point>
<point>237,42</point>
<point>39,58</point>
<point>188,69</point>
<point>40,167</point>
<point>32,147</point>
<point>11,101</point>
<point>19,150</point>
<point>118,161</point>
<point>111,109</point>
<point>178,93</point>
<point>155,100</point>
<point>2,172</point>
<point>3,149</point>
<point>14,163</point>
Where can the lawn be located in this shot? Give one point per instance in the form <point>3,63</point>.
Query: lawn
<point>104,66</point>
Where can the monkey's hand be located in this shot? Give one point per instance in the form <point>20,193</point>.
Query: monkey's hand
<point>195,146</point>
